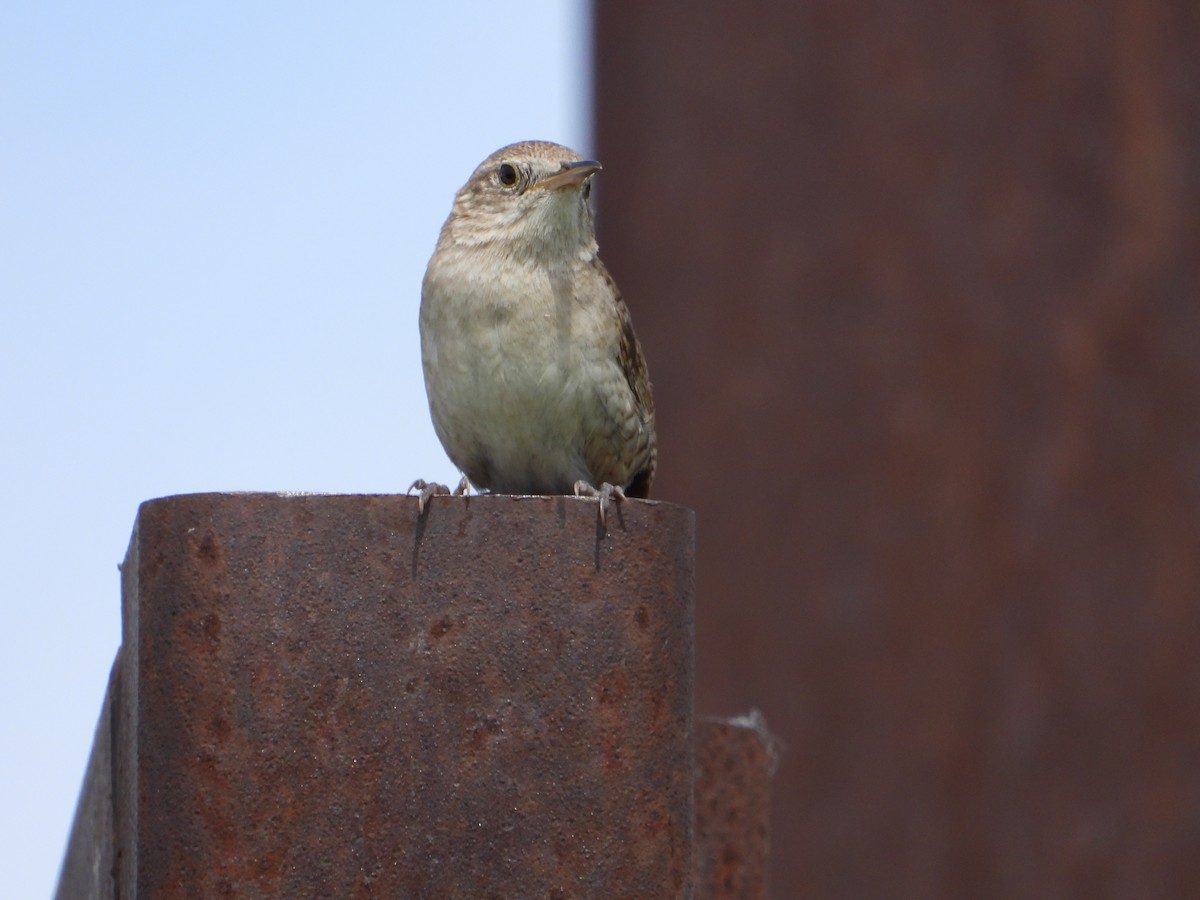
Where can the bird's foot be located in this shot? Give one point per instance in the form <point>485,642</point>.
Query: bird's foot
<point>606,493</point>
<point>430,489</point>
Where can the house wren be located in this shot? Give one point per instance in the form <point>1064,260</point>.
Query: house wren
<point>536,380</point>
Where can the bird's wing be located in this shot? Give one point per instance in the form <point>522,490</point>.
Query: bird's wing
<point>633,365</point>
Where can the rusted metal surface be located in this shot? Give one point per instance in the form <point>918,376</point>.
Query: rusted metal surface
<point>734,762</point>
<point>328,696</point>
<point>918,287</point>
<point>87,869</point>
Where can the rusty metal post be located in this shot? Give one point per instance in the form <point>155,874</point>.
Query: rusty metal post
<point>735,759</point>
<point>921,279</point>
<point>88,866</point>
<point>329,696</point>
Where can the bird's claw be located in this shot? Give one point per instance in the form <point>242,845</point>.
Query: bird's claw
<point>606,493</point>
<point>430,489</point>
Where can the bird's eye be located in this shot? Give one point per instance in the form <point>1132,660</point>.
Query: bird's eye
<point>507,173</point>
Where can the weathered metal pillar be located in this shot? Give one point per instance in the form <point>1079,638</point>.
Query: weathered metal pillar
<point>918,283</point>
<point>735,759</point>
<point>331,696</point>
<point>89,868</point>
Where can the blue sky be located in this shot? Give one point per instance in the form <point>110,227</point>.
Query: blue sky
<point>213,224</point>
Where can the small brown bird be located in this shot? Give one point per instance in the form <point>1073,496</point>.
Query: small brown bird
<point>536,380</point>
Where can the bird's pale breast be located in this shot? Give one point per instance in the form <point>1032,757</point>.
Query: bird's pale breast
<point>525,389</point>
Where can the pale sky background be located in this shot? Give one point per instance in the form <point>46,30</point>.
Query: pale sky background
<point>213,224</point>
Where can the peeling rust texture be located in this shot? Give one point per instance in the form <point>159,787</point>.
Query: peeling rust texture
<point>734,761</point>
<point>329,696</point>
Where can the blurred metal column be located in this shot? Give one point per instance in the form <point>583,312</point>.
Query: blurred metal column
<point>325,696</point>
<point>734,762</point>
<point>918,286</point>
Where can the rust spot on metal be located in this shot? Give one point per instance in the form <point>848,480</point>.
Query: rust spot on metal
<point>209,551</point>
<point>212,627</point>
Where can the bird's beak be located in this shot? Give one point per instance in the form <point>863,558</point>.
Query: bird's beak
<point>572,176</point>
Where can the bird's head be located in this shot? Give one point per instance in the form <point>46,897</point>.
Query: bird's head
<point>528,198</point>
